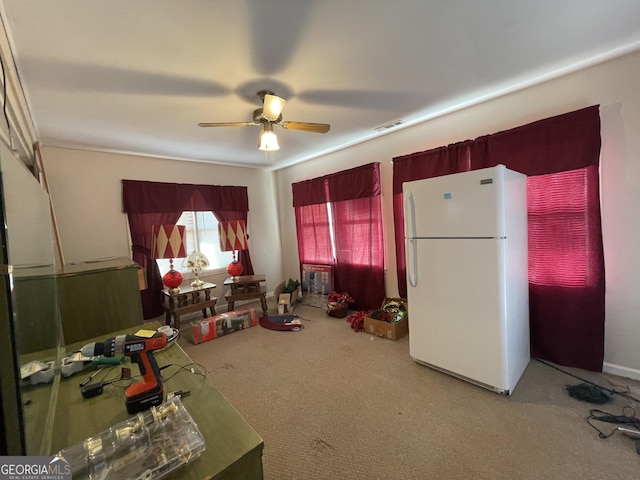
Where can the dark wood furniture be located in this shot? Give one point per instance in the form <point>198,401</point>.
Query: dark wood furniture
<point>246,287</point>
<point>188,299</point>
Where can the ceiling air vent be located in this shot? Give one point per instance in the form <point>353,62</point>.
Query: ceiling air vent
<point>383,128</point>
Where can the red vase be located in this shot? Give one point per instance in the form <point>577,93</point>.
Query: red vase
<point>172,279</point>
<point>235,268</point>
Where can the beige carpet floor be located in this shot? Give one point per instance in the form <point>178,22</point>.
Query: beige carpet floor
<point>331,403</point>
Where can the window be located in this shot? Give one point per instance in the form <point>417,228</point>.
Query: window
<point>318,233</point>
<point>202,235</point>
<point>339,223</point>
<point>559,230</point>
<point>315,238</point>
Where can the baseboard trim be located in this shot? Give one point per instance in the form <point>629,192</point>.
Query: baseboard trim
<point>621,371</point>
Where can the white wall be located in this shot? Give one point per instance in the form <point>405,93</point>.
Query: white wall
<point>86,190</point>
<point>615,86</point>
<point>29,231</point>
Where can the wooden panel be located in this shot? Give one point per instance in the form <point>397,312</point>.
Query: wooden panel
<point>90,298</point>
<point>98,301</point>
<point>36,315</point>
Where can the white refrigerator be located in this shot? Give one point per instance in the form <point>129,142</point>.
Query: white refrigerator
<point>467,283</point>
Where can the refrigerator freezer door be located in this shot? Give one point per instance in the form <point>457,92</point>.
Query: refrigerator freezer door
<point>468,204</point>
<point>457,309</point>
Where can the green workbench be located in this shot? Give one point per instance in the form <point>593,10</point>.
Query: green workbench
<point>233,448</point>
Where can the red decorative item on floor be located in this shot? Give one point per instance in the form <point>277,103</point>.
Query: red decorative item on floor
<point>338,304</point>
<point>357,320</point>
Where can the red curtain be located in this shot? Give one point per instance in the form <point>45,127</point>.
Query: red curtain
<point>566,268</point>
<point>314,236</point>
<point>360,251</point>
<point>566,262</point>
<point>356,210</point>
<point>153,203</point>
<point>454,158</point>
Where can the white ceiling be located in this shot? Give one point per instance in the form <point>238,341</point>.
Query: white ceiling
<point>138,76</point>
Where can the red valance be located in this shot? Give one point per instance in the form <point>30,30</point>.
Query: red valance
<point>158,197</point>
<point>431,163</point>
<point>555,144</point>
<point>351,184</point>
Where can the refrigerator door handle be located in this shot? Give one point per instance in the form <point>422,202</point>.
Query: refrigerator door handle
<point>412,253</point>
<point>412,263</point>
<point>410,208</point>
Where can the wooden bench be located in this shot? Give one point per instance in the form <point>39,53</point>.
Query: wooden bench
<point>188,299</point>
<point>246,287</point>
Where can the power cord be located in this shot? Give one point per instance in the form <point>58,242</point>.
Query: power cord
<point>189,367</point>
<point>105,370</point>
<point>628,417</point>
<point>89,390</point>
<point>608,390</point>
<point>94,389</point>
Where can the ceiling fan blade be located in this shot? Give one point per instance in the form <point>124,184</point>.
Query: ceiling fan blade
<point>273,106</point>
<point>228,124</point>
<point>306,127</point>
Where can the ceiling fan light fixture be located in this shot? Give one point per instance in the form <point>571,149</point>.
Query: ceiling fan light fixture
<point>273,106</point>
<point>268,139</point>
<point>271,114</point>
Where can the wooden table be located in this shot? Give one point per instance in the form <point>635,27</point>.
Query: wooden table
<point>188,299</point>
<point>233,448</point>
<point>246,287</point>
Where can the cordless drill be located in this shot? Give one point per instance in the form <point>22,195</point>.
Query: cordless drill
<point>149,391</point>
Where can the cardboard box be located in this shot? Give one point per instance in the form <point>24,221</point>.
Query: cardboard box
<point>223,324</point>
<point>142,278</point>
<point>284,303</point>
<point>390,330</point>
<point>287,300</point>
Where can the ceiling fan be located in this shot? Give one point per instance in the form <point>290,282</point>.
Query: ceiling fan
<point>271,114</point>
